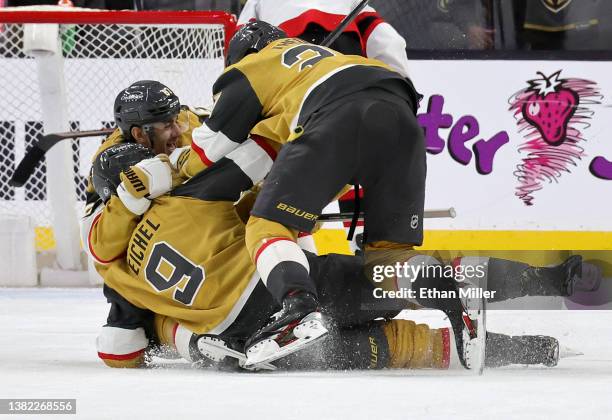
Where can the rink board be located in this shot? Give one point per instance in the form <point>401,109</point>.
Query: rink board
<point>569,211</point>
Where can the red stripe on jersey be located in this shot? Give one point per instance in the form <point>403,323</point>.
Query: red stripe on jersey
<point>365,35</point>
<point>365,15</point>
<point>128,356</point>
<point>174,333</point>
<point>456,262</point>
<point>445,348</point>
<point>304,234</point>
<point>267,244</point>
<point>348,224</point>
<point>329,21</point>
<point>350,195</point>
<point>202,155</point>
<point>93,254</point>
<point>261,142</point>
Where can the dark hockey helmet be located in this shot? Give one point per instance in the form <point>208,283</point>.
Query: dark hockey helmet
<point>251,38</point>
<point>109,164</point>
<point>144,102</point>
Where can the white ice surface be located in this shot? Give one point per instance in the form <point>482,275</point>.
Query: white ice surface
<point>47,351</point>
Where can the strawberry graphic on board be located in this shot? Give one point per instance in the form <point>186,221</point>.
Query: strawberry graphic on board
<point>549,107</point>
<point>552,115</point>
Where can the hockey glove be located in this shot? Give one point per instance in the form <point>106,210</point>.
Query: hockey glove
<point>149,178</point>
<point>136,205</point>
<point>145,181</point>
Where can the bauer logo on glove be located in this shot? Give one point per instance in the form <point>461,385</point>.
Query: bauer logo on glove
<point>134,180</point>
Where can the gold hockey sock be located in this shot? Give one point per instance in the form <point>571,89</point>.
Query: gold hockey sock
<point>415,346</point>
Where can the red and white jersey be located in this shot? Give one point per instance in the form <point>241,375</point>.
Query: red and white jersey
<point>379,40</point>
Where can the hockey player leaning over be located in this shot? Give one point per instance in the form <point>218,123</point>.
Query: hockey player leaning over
<point>188,282</point>
<point>341,119</point>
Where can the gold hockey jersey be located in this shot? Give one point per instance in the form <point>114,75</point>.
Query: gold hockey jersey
<point>186,257</point>
<point>197,276</point>
<point>274,92</point>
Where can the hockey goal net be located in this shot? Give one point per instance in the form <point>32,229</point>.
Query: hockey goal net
<point>61,70</point>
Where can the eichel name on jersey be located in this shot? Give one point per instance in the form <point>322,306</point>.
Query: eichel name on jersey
<point>139,244</point>
<point>274,92</point>
<point>170,271</point>
<point>203,286</point>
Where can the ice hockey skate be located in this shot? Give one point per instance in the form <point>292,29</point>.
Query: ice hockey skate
<point>474,336</point>
<point>503,350</point>
<point>470,332</point>
<point>216,350</point>
<point>298,325</point>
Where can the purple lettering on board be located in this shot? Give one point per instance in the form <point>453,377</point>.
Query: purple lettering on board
<point>432,121</point>
<point>601,168</point>
<point>485,151</point>
<point>465,129</point>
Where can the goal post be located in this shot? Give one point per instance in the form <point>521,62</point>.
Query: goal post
<point>61,70</point>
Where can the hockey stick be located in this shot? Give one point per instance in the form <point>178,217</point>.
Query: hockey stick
<point>329,39</point>
<point>347,216</point>
<point>33,156</point>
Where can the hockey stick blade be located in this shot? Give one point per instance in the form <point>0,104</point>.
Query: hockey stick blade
<point>329,39</point>
<point>34,156</point>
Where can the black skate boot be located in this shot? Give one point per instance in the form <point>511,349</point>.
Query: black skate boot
<point>503,350</point>
<point>511,279</point>
<point>297,325</point>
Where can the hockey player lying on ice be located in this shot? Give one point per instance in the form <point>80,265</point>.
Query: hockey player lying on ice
<point>187,279</point>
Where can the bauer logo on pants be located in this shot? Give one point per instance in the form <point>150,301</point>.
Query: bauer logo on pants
<point>297,212</point>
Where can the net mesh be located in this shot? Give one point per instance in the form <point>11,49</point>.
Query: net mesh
<point>99,61</point>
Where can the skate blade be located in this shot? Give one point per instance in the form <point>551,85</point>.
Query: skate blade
<point>215,350</point>
<point>307,333</point>
<point>475,349</point>
<point>566,352</point>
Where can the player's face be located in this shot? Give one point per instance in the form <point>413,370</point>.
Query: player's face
<point>164,136</point>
